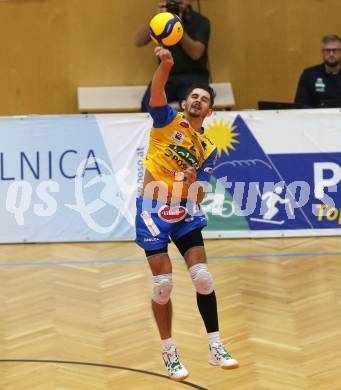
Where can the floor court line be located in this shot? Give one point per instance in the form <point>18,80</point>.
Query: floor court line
<point>142,260</point>
<point>136,370</point>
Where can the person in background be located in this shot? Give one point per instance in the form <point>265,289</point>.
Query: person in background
<point>190,54</point>
<point>322,82</point>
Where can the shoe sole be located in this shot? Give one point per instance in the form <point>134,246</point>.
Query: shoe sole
<point>225,367</point>
<point>230,367</point>
<point>182,378</point>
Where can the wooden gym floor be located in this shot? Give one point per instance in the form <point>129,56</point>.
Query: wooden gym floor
<point>77,317</point>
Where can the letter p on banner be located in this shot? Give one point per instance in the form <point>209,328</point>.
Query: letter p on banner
<point>321,182</point>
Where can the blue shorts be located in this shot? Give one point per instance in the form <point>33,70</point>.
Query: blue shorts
<point>156,223</point>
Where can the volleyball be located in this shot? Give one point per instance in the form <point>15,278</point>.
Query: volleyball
<point>166,29</point>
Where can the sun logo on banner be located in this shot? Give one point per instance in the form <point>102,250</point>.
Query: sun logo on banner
<point>223,135</point>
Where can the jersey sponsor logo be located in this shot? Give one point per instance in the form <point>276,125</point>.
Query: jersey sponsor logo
<point>185,155</point>
<point>172,214</point>
<point>182,164</point>
<point>184,124</point>
<point>177,136</point>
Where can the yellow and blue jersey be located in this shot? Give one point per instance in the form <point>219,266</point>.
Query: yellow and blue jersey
<point>175,146</point>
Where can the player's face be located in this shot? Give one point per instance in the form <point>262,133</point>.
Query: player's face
<point>331,53</point>
<point>198,103</point>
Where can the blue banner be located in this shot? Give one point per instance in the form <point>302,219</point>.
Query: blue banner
<point>76,177</point>
<point>273,191</point>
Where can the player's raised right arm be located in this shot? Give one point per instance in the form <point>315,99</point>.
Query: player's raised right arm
<point>157,91</point>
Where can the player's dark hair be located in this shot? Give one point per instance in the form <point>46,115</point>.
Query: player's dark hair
<point>203,86</point>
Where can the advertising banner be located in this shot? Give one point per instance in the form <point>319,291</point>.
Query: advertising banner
<point>278,171</point>
<point>70,178</point>
<point>75,177</point>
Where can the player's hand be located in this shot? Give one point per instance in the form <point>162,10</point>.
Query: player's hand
<point>164,55</point>
<point>190,176</point>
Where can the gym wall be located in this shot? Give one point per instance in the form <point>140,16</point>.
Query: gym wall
<point>50,47</point>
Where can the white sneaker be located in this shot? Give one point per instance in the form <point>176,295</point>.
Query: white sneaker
<point>218,356</point>
<point>176,370</point>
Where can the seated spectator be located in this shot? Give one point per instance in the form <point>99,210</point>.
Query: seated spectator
<point>190,54</point>
<point>322,82</point>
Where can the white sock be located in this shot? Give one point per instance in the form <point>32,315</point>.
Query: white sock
<point>167,343</point>
<point>213,337</point>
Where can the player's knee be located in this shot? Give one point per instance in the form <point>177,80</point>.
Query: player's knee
<point>162,288</point>
<point>202,278</point>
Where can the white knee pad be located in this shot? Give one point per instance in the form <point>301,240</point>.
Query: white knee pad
<point>162,288</point>
<point>202,278</point>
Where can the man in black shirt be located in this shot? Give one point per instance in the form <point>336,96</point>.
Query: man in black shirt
<point>322,82</point>
<point>190,54</point>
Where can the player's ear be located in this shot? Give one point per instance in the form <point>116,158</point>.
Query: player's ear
<point>209,112</point>
<point>183,104</point>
